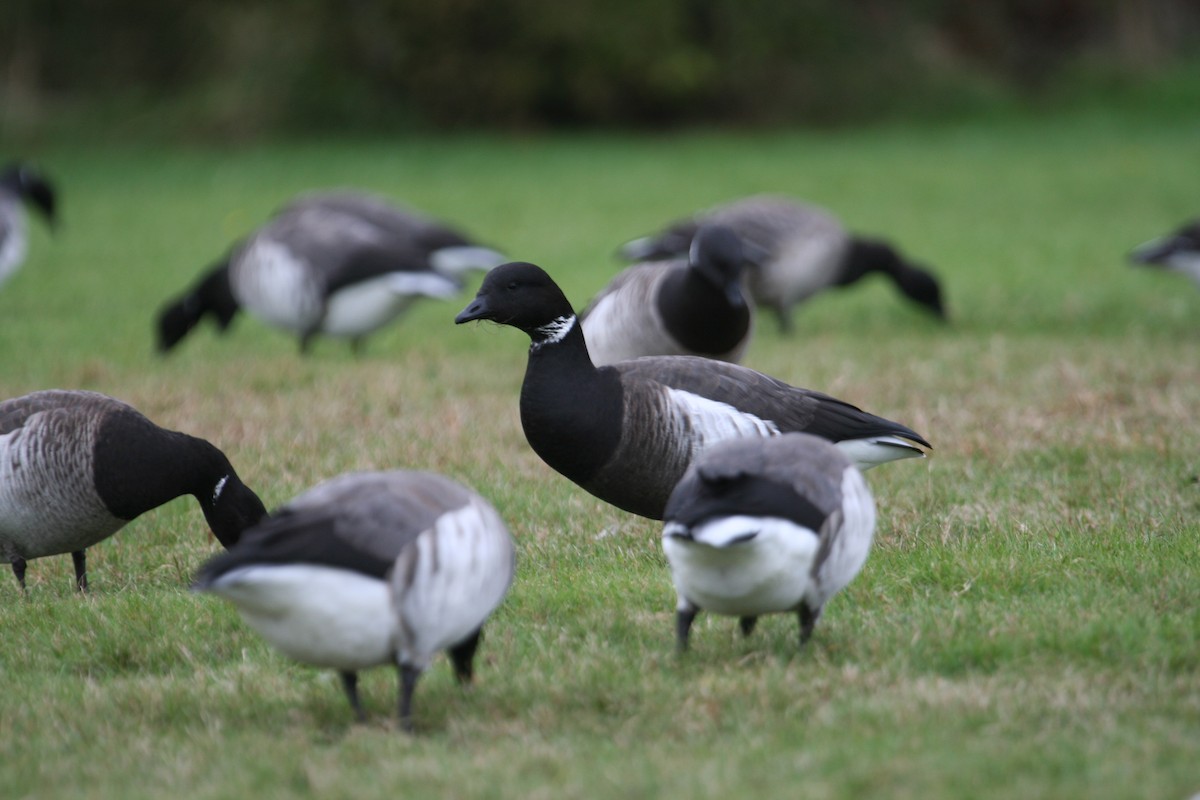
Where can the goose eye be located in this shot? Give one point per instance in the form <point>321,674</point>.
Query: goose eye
<point>513,285</point>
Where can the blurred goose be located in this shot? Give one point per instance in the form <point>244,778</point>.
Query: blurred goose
<point>627,432</point>
<point>371,568</point>
<point>339,264</point>
<point>759,526</point>
<point>808,251</point>
<point>76,466</point>
<point>1177,252</point>
<point>19,184</point>
<point>687,306</point>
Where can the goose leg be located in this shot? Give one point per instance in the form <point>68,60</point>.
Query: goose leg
<point>747,625</point>
<point>18,568</point>
<point>784,318</point>
<point>350,684</point>
<point>80,559</point>
<point>684,617</point>
<point>462,656</point>
<point>808,621</point>
<point>408,683</point>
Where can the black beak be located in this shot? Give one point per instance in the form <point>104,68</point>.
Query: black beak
<point>40,193</point>
<point>478,309</point>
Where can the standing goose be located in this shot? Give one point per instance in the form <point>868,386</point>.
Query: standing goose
<point>368,569</point>
<point>627,432</point>
<point>761,526</point>
<point>808,251</point>
<point>1177,252</point>
<point>18,184</point>
<point>339,264</point>
<point>76,466</point>
<point>691,306</point>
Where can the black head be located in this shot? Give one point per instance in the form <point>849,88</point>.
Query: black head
<point>719,254</point>
<point>33,187</point>
<point>921,287</point>
<point>211,296</point>
<point>1158,252</point>
<point>231,508</point>
<point>518,294</point>
<point>870,255</point>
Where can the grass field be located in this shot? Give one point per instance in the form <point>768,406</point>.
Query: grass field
<point>1028,624</point>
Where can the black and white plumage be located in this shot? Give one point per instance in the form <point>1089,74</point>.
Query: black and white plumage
<point>627,432</point>
<point>340,264</point>
<point>808,251</point>
<point>686,306</point>
<point>76,466</point>
<point>1176,252</point>
<point>372,568</point>
<point>20,184</point>
<point>761,526</point>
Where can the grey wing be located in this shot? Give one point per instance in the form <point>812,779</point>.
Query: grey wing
<point>769,221</point>
<point>639,281</point>
<point>382,512</point>
<point>416,229</point>
<point>16,412</point>
<point>322,237</point>
<point>790,408</point>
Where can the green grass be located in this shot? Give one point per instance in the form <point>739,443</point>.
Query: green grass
<point>1027,625</point>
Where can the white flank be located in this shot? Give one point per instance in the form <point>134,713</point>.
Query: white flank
<point>710,421</point>
<point>15,243</point>
<point>363,307</point>
<point>458,261</point>
<point>765,574</point>
<point>553,332</point>
<point>867,453</point>
<point>47,503</point>
<point>463,569</point>
<point>617,329</point>
<point>1187,263</point>
<point>322,616</point>
<point>851,542</point>
<point>276,286</point>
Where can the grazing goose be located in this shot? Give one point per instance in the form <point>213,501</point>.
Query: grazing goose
<point>809,251</point>
<point>761,526</point>
<point>372,568</point>
<point>76,466</point>
<point>627,432</point>
<point>691,306</point>
<point>1178,252</point>
<point>338,263</point>
<point>18,184</point>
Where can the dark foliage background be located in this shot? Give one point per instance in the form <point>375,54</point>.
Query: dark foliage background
<point>244,68</point>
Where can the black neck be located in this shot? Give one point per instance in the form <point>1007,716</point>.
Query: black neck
<point>864,257</point>
<point>566,401</point>
<point>698,313</point>
<point>139,466</point>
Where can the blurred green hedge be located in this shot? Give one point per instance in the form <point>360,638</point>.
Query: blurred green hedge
<point>241,68</point>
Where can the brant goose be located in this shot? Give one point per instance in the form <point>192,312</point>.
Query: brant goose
<point>18,184</point>
<point>693,306</point>
<point>76,466</point>
<point>759,526</point>
<point>808,251</point>
<point>627,432</point>
<point>1178,252</point>
<point>371,568</point>
<point>337,263</point>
